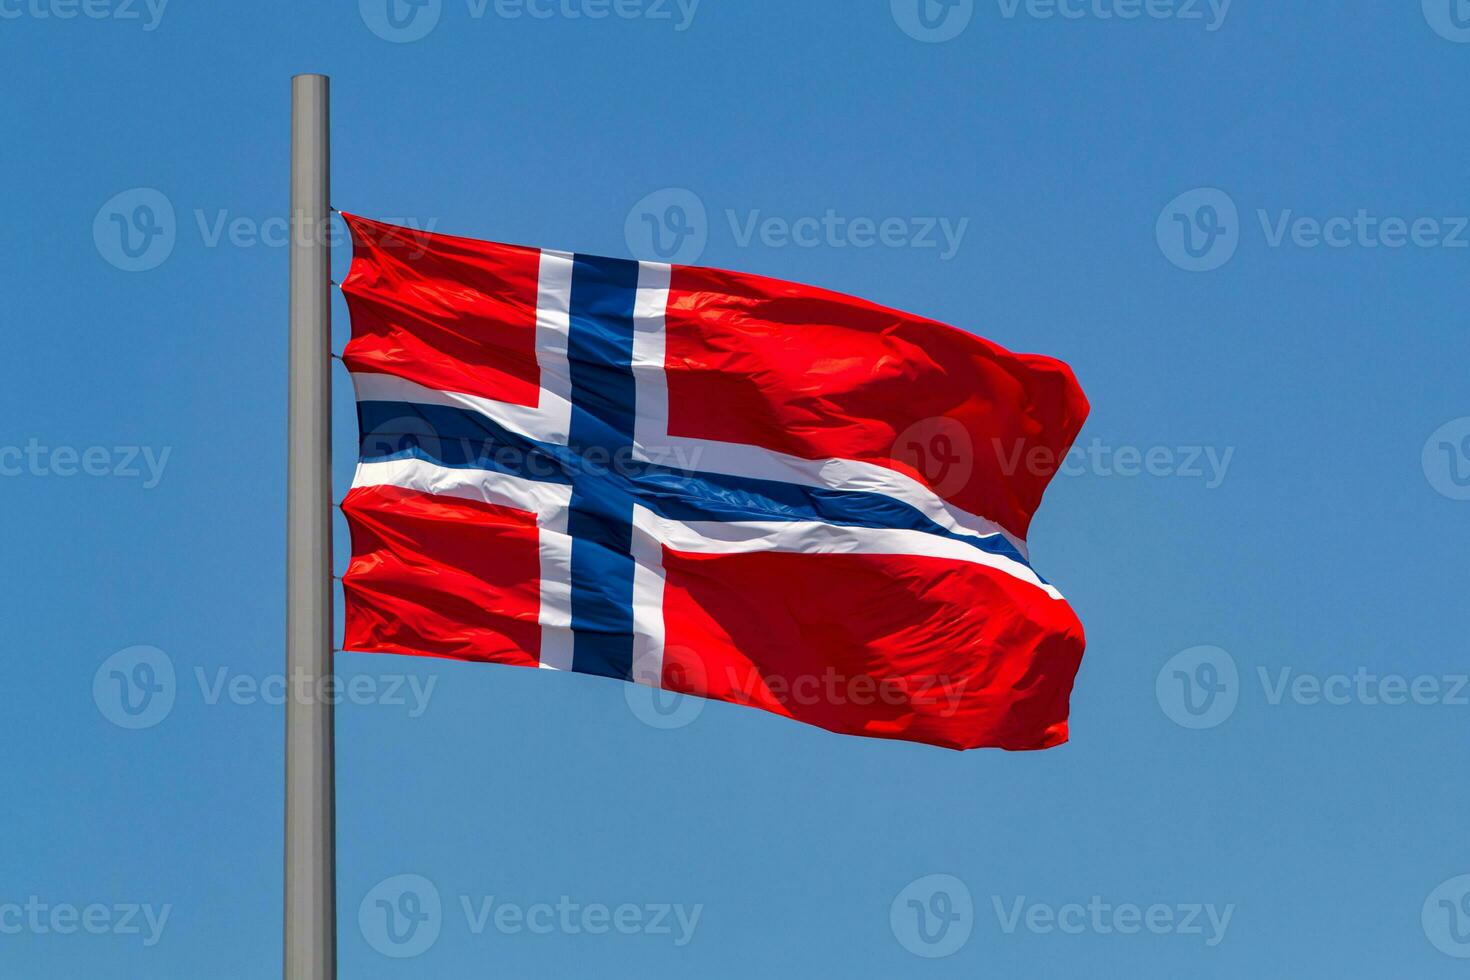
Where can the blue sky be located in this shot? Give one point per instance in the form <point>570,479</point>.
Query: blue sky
<point>1243,225</point>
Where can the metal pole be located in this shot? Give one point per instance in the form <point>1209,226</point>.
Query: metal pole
<point>311,886</point>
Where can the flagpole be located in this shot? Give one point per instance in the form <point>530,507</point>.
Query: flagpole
<point>310,899</point>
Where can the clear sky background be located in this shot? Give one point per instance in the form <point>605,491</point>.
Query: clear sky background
<point>1328,538</point>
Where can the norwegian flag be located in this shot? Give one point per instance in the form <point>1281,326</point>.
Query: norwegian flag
<point>718,484</point>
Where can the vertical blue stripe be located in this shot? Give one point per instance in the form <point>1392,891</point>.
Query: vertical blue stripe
<point>604,394</point>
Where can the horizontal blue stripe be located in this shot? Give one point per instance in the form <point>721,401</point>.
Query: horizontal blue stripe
<point>463,438</point>
<point>457,438</point>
